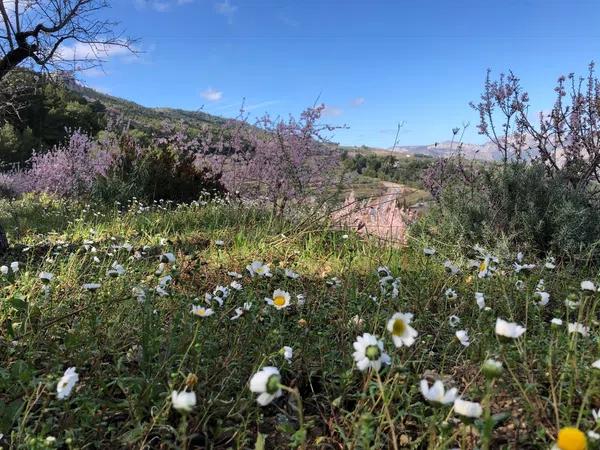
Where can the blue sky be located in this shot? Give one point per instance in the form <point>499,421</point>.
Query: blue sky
<point>374,63</point>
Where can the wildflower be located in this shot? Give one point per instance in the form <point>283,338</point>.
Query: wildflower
<point>183,401</point>
<point>115,270</point>
<point>161,268</point>
<point>578,328</point>
<point>453,321</point>
<point>384,272</point>
<point>480,300</point>
<point>523,267</point>
<point>556,321</point>
<point>519,284</point>
<point>66,383</point>
<point>219,243</point>
<point>508,329</point>
<point>550,263</point>
<point>267,383</point>
<point>450,294</point>
<point>571,304</point>
<point>288,353</point>
<point>235,285</point>
<point>484,269</point>
<point>257,268</point>
<point>356,321</point>
<point>280,300</point>
<point>201,311</point>
<point>4,270</point>
<point>467,409</point>
<point>596,414</point>
<point>291,274</point>
<point>92,287</point>
<point>492,368</point>
<point>167,258</point>
<point>428,251</point>
<point>139,293</point>
<point>463,337</point>
<point>46,277</point>
<point>570,438</point>
<point>451,268</point>
<point>300,300</point>
<point>369,352</point>
<point>235,275</point>
<point>593,435</point>
<point>596,364</point>
<point>334,282</point>
<point>221,293</point>
<point>437,394</point>
<point>161,292</point>
<point>402,332</point>
<point>163,281</point>
<point>544,297</point>
<point>587,285</point>
<point>14,266</point>
<point>238,313</point>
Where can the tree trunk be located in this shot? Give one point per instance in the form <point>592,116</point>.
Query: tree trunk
<point>3,240</point>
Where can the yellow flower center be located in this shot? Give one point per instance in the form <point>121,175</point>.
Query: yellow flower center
<point>399,327</point>
<point>200,312</point>
<point>570,438</point>
<point>279,300</point>
<point>482,266</point>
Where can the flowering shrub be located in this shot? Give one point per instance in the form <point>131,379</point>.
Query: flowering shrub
<point>281,160</point>
<point>67,170</point>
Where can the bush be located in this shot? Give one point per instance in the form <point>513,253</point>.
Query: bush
<point>519,202</point>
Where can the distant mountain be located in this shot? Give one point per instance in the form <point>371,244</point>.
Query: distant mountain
<point>486,152</point>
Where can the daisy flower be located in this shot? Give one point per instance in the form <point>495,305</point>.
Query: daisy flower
<point>167,258</point>
<point>257,268</point>
<point>544,297</point>
<point>46,277</point>
<point>14,266</point>
<point>369,353</point>
<point>556,321</point>
<point>452,269</point>
<point>437,394</point>
<point>596,364</point>
<point>578,328</point>
<point>66,383</point>
<point>291,274</point>
<point>288,353</point>
<point>453,321</point>
<point>463,337</point>
<point>480,299</point>
<point>467,409</point>
<point>267,384</point>
<point>280,300</point>
<point>235,285</point>
<point>183,401</point>
<point>4,270</point>
<point>427,251</point>
<point>508,329</point>
<point>587,285</point>
<point>201,311</point>
<point>402,333</point>
<point>492,368</point>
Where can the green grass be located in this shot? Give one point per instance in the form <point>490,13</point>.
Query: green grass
<point>130,356</point>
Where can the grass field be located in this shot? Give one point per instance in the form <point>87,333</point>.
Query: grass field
<point>132,344</point>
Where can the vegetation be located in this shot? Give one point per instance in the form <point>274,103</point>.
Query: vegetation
<point>131,350</point>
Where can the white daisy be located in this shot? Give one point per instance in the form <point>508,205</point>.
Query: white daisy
<point>467,409</point>
<point>4,270</point>
<point>201,311</point>
<point>450,294</point>
<point>66,383</point>
<point>588,285</point>
<point>300,299</point>
<point>46,277</point>
<point>291,274</point>
<point>556,321</point>
<point>544,297</point>
<point>384,272</point>
<point>453,321</point>
<point>402,333</point>
<point>221,293</point>
<point>508,329</point>
<point>571,304</point>
<point>235,275</point>
<point>463,337</point>
<point>593,435</point>
<point>369,353</point>
<point>578,328</point>
<point>183,401</point>
<point>480,299</point>
<point>596,364</point>
<point>235,285</point>
<point>257,268</point>
<point>219,243</point>
<point>451,268</point>
<point>280,300</point>
<point>14,266</point>
<point>550,263</point>
<point>437,394</point>
<point>288,353</point>
<point>167,258</point>
<point>267,383</point>
<point>596,414</point>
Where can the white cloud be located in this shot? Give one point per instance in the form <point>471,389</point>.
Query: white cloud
<point>80,51</point>
<point>226,9</point>
<point>160,5</point>
<point>332,111</point>
<point>358,101</point>
<point>211,95</point>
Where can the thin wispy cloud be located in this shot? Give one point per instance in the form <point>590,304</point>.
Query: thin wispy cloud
<point>260,105</point>
<point>332,111</point>
<point>225,8</point>
<point>160,6</point>
<point>358,101</point>
<point>211,95</point>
